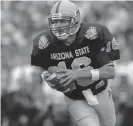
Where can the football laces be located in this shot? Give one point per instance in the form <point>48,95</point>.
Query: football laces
<point>51,77</point>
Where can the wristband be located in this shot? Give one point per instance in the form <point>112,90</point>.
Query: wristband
<point>95,74</point>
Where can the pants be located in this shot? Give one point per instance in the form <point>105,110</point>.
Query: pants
<point>102,114</point>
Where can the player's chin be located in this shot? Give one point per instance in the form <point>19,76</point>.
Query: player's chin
<point>63,37</point>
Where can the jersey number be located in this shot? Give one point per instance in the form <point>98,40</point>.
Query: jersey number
<point>112,45</point>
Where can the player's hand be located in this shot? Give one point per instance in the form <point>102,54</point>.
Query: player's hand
<point>48,78</point>
<point>45,75</point>
<point>66,76</point>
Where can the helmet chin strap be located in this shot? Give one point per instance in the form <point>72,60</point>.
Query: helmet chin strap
<point>63,37</point>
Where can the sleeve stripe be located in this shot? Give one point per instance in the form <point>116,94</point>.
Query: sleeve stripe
<point>110,64</point>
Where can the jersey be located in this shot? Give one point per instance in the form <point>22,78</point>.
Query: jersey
<point>94,46</point>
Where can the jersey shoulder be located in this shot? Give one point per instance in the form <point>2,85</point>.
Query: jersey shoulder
<point>40,50</point>
<point>94,31</point>
<point>42,40</point>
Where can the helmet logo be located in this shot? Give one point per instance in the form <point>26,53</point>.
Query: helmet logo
<point>43,42</point>
<point>57,16</point>
<point>91,33</point>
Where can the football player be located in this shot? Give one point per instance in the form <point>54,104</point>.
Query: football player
<point>77,59</point>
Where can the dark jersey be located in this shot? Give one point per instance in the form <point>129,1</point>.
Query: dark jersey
<point>94,46</point>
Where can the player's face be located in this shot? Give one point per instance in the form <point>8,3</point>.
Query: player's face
<point>61,28</point>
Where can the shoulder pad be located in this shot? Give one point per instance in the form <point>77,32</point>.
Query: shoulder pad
<point>92,31</point>
<point>41,41</point>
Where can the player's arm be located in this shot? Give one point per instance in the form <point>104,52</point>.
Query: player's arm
<point>109,52</point>
<point>105,72</point>
<point>40,58</point>
<point>36,60</point>
<point>40,44</point>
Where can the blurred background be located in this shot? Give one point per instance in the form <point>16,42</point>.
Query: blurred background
<point>25,100</point>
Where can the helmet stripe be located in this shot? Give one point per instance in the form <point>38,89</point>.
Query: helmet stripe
<point>57,9</point>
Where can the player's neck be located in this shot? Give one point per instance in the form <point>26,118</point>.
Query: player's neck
<point>70,40</point>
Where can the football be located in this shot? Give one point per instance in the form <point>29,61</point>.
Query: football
<point>54,80</point>
<point>52,69</point>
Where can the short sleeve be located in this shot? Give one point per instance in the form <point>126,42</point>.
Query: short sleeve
<point>109,49</point>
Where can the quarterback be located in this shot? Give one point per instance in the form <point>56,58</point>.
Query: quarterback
<point>77,60</point>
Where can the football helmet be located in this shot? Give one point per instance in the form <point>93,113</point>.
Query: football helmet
<point>64,19</point>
